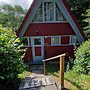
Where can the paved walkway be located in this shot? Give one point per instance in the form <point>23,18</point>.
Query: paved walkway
<point>38,81</point>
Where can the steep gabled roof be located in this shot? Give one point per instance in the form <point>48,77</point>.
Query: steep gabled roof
<point>64,8</point>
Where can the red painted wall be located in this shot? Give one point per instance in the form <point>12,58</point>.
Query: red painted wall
<point>47,41</point>
<point>65,39</point>
<point>28,55</point>
<point>49,29</point>
<point>50,51</point>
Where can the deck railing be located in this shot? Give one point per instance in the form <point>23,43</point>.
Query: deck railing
<point>62,59</point>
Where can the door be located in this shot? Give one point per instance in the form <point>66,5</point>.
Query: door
<point>37,49</point>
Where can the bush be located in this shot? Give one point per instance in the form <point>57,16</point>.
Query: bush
<point>11,63</point>
<point>82,58</point>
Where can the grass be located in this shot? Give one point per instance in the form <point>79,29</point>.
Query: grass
<point>24,74</point>
<point>81,82</point>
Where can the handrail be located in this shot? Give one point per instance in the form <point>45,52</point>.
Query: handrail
<point>62,59</point>
<point>54,57</point>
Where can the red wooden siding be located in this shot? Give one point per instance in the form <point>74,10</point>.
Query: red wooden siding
<point>28,55</point>
<point>49,29</point>
<point>65,39</point>
<point>47,41</point>
<point>51,51</point>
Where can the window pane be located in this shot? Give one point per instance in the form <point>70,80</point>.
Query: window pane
<point>49,11</point>
<point>25,41</point>
<point>73,39</point>
<point>59,15</point>
<point>39,15</point>
<point>37,41</point>
<point>55,40</point>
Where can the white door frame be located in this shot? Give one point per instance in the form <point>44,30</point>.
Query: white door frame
<point>37,58</point>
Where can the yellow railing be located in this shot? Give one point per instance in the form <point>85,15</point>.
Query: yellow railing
<point>62,59</point>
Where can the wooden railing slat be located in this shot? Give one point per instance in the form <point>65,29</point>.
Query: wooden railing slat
<point>54,57</point>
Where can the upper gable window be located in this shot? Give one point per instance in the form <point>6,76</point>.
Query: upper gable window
<point>39,15</point>
<point>59,15</point>
<point>48,12</point>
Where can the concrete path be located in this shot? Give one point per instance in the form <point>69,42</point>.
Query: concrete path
<point>38,81</point>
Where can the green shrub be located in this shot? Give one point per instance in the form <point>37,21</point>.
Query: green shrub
<point>11,63</point>
<point>82,58</point>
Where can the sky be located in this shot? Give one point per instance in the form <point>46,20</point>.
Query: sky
<point>24,3</point>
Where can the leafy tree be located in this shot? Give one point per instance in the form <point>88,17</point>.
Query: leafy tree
<point>19,9</point>
<point>11,63</point>
<point>87,20</point>
<point>82,58</point>
<point>11,16</point>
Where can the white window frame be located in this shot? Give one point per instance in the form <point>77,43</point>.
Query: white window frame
<point>41,38</point>
<point>52,44</point>
<point>72,40</point>
<point>37,38</point>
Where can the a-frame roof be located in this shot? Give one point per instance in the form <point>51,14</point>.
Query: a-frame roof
<point>64,8</point>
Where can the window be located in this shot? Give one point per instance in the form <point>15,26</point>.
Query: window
<point>59,15</point>
<point>37,41</point>
<point>48,11</point>
<point>25,41</point>
<point>73,40</point>
<point>55,40</point>
<point>39,15</point>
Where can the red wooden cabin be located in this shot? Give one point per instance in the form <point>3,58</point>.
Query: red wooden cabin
<point>49,29</point>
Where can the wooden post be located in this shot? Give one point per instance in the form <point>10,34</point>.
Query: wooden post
<point>62,72</point>
<point>44,68</point>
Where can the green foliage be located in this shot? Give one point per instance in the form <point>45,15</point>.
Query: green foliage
<point>82,82</point>
<point>11,16</point>
<point>82,58</point>
<point>52,69</point>
<point>87,20</point>
<point>24,75</point>
<point>11,63</point>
